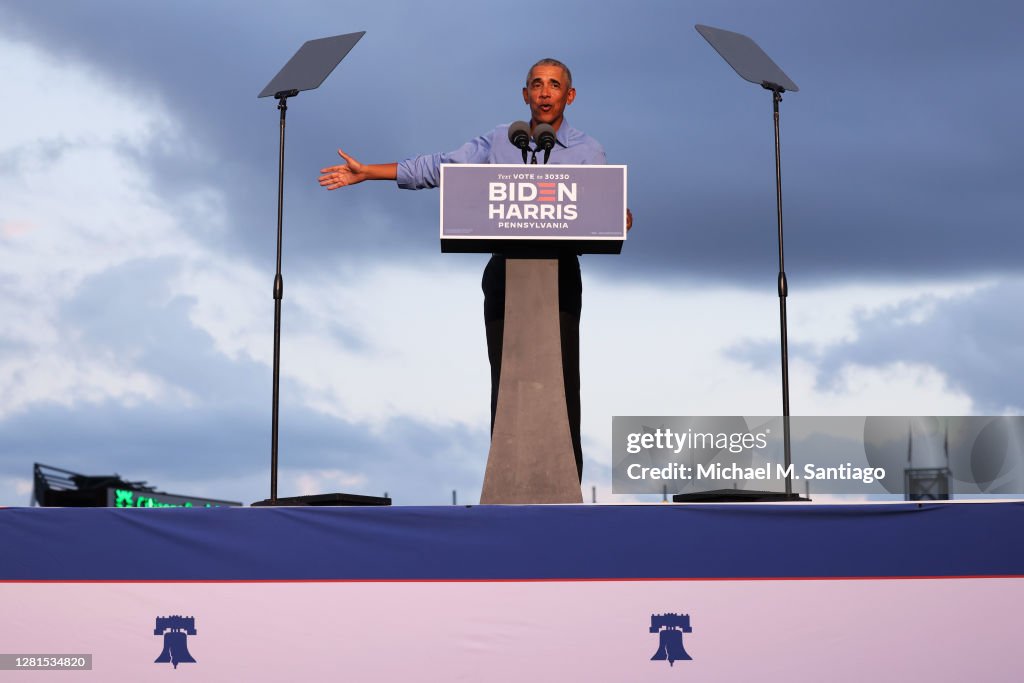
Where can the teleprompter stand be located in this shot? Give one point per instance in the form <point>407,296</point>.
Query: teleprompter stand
<point>306,70</point>
<point>753,65</point>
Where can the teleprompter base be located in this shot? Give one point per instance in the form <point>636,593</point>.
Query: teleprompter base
<point>339,499</point>
<point>737,496</point>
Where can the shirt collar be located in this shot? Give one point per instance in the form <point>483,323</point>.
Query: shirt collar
<point>562,136</point>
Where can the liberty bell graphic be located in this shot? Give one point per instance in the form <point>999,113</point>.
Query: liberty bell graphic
<point>175,629</point>
<point>670,628</point>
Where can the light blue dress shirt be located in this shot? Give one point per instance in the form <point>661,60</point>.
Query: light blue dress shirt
<point>573,147</point>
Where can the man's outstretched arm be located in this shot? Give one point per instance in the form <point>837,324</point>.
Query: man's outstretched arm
<point>353,172</point>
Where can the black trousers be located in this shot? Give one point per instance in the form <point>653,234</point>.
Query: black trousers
<point>570,304</point>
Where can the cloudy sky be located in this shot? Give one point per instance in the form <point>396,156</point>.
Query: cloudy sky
<point>137,230</point>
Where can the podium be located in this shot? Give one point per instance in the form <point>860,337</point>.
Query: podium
<point>532,215</point>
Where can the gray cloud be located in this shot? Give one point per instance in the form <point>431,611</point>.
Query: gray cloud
<point>222,433</point>
<point>414,462</point>
<point>974,340</point>
<point>900,156</point>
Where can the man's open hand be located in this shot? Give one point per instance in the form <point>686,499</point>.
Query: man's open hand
<point>349,173</point>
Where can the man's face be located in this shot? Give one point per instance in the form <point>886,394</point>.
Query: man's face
<point>548,94</point>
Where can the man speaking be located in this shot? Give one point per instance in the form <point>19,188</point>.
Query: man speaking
<point>548,91</point>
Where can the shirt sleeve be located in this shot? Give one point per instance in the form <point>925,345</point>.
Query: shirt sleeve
<point>424,171</point>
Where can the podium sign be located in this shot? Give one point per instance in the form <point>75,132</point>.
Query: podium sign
<point>530,208</point>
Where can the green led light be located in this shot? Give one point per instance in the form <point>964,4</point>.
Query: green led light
<point>122,498</point>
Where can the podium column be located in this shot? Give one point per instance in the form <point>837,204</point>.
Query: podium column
<point>531,459</point>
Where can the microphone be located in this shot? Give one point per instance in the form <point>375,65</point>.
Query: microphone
<point>519,136</point>
<point>544,134</point>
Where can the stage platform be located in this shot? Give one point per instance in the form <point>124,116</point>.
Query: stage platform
<point>795,592</point>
